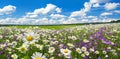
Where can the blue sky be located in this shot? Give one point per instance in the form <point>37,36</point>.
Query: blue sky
<point>58,11</point>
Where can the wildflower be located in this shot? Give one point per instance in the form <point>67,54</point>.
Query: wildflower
<point>83,55</point>
<point>3,45</point>
<point>106,56</point>
<point>51,49</point>
<point>29,37</point>
<point>109,48</point>
<point>52,58</point>
<point>70,45</point>
<point>91,49</point>
<point>38,55</point>
<point>118,48</point>
<point>45,41</point>
<point>39,46</point>
<point>84,49</point>
<point>86,53</point>
<point>23,49</point>
<point>85,41</point>
<point>96,52</point>
<point>67,56</point>
<point>65,51</point>
<point>104,52</point>
<point>14,56</point>
<point>78,50</point>
<point>14,43</point>
<point>72,37</point>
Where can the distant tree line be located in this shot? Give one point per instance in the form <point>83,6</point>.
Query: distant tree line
<point>115,21</point>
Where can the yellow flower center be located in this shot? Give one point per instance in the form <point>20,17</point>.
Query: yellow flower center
<point>22,49</point>
<point>14,56</point>
<point>65,51</point>
<point>78,50</point>
<point>38,58</point>
<point>38,46</point>
<point>51,49</point>
<point>29,38</point>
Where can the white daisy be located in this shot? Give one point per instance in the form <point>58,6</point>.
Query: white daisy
<point>78,50</point>
<point>14,56</point>
<point>38,55</point>
<point>65,51</point>
<point>91,50</point>
<point>52,58</point>
<point>51,49</point>
<point>39,46</point>
<point>104,52</point>
<point>83,55</point>
<point>106,56</point>
<point>29,37</point>
<point>23,48</point>
<point>14,43</point>
<point>84,49</point>
<point>70,45</point>
<point>86,53</point>
<point>85,41</point>
<point>109,48</point>
<point>96,52</point>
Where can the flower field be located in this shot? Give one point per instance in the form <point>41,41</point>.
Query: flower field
<point>101,41</point>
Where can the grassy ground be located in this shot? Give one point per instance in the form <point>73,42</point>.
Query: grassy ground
<point>48,26</point>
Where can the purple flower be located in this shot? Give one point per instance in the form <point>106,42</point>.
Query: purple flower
<point>99,58</point>
<point>86,57</point>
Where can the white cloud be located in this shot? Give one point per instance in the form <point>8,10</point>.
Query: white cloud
<point>94,1</point>
<point>106,20</point>
<point>7,9</point>
<point>96,5</point>
<point>8,21</point>
<point>43,21</point>
<point>31,16</point>
<point>49,8</point>
<point>51,14</point>
<point>45,15</point>
<point>58,10</point>
<point>53,21</point>
<point>80,13</point>
<point>69,21</point>
<point>95,20</point>
<point>56,16</point>
<point>106,13</point>
<point>41,12</point>
<point>111,6</point>
<point>87,6</point>
<point>98,1</point>
<point>84,20</point>
<point>117,11</point>
<point>91,16</point>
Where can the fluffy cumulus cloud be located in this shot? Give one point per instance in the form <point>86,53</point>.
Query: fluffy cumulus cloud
<point>117,11</point>
<point>51,14</point>
<point>57,16</point>
<point>50,8</point>
<point>98,1</point>
<point>80,13</point>
<point>106,13</point>
<point>87,7</point>
<point>111,6</point>
<point>96,5</point>
<point>7,9</point>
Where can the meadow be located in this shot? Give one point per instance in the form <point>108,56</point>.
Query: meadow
<point>99,41</point>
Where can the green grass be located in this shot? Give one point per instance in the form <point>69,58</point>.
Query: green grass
<point>47,26</point>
